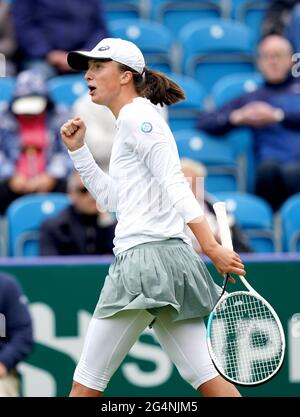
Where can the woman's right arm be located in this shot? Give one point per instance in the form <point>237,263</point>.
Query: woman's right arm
<point>99,184</point>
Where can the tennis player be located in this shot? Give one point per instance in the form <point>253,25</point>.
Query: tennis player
<point>156,278</point>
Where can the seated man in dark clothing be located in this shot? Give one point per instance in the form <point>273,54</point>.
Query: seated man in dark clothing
<point>80,229</point>
<point>273,114</point>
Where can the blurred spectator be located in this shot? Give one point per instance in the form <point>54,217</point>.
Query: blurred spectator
<point>7,38</point>
<point>101,127</point>
<point>16,340</point>
<point>277,17</point>
<point>283,18</point>
<point>32,155</point>
<point>80,229</point>
<point>46,29</point>
<point>273,114</point>
<point>195,173</point>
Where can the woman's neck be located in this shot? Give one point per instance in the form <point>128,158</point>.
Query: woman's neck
<point>116,106</point>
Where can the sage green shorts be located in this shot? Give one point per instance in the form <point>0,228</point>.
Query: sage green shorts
<point>155,275</point>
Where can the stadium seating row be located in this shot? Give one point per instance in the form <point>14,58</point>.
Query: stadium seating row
<point>20,227</point>
<point>175,13</point>
<point>205,50</point>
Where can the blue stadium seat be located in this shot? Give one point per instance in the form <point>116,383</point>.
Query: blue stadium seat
<point>219,159</point>
<point>124,9</point>
<point>7,85</point>
<point>65,89</point>
<point>215,48</point>
<point>229,88</point>
<point>176,13</point>
<point>241,141</point>
<point>255,217</point>
<point>24,217</point>
<point>154,39</point>
<point>183,115</point>
<point>234,85</point>
<point>289,215</point>
<point>250,12</point>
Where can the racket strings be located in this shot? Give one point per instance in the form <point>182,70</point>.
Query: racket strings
<point>245,339</point>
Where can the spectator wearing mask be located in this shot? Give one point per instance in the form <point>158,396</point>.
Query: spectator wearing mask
<point>32,157</point>
<point>273,114</point>
<point>81,229</point>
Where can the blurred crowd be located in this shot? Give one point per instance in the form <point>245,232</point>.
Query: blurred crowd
<point>35,36</point>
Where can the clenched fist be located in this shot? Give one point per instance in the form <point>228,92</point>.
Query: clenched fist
<point>72,133</point>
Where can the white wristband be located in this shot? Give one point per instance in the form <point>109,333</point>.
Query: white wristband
<point>279,115</point>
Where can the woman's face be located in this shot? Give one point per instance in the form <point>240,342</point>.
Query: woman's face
<point>104,81</point>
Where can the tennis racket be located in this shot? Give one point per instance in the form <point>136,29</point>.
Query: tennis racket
<point>244,335</point>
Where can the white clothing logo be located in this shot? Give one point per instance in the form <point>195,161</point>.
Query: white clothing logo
<point>146,127</point>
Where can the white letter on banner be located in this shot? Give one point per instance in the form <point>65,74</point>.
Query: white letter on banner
<point>247,354</point>
<point>294,348</point>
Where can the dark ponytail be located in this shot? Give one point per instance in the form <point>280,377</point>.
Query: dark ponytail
<point>161,89</point>
<point>156,86</point>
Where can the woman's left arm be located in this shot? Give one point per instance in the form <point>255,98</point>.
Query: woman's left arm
<point>225,260</point>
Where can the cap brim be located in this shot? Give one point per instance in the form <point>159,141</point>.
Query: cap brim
<point>78,60</point>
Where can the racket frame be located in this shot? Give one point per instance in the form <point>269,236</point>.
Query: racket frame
<point>209,344</point>
<point>220,210</point>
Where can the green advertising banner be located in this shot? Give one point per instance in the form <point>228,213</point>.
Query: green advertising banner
<point>62,296</point>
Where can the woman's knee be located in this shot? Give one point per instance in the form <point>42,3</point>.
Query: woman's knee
<point>79,390</point>
<point>218,387</point>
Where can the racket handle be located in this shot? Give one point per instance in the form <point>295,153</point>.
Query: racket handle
<point>225,234</point>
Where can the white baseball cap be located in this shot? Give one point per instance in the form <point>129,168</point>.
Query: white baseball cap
<point>119,50</point>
